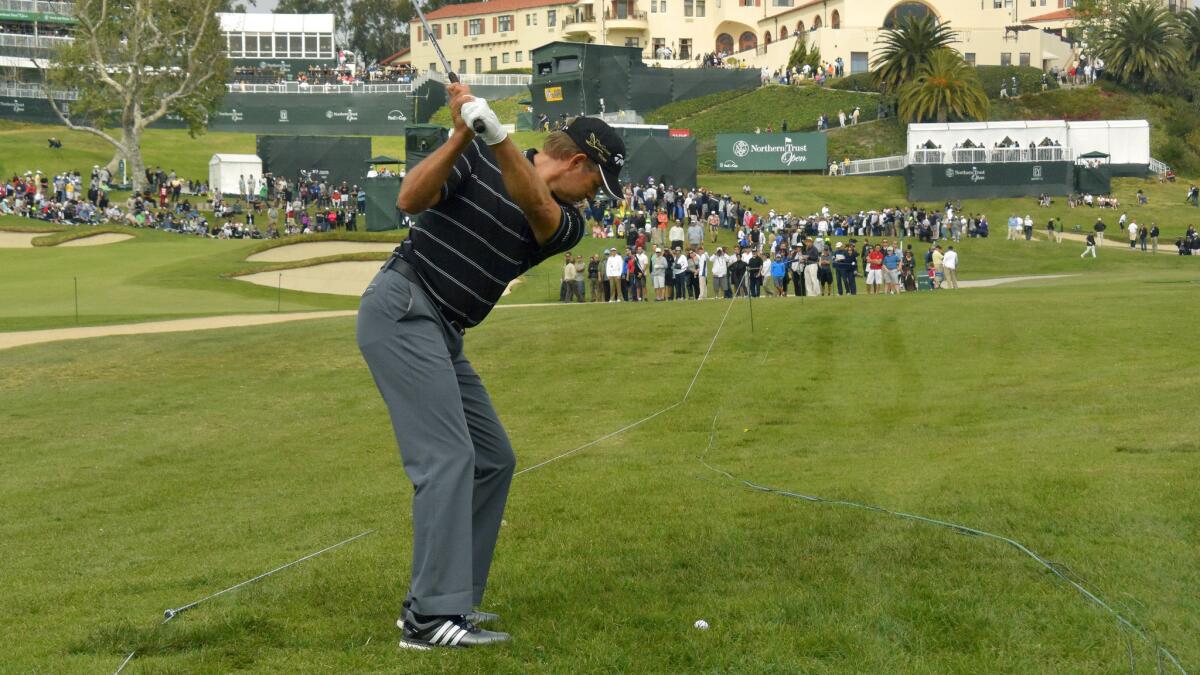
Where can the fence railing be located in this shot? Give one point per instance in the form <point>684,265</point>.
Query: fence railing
<point>65,8</point>
<point>991,155</point>
<point>32,41</point>
<point>297,88</point>
<point>1158,167</point>
<point>497,79</point>
<point>877,165</point>
<point>27,90</point>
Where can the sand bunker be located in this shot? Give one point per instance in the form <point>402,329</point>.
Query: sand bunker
<point>97,239</point>
<point>338,278</point>
<point>19,239</point>
<point>320,249</point>
<point>989,283</point>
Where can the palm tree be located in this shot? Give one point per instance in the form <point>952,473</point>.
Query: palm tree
<point>908,46</point>
<point>1141,45</point>
<point>1190,23</point>
<point>946,87</point>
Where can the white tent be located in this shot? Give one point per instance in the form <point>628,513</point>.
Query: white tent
<point>225,171</point>
<point>1126,141</point>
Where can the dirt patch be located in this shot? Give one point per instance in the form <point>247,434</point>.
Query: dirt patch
<point>989,283</point>
<point>320,249</point>
<point>97,239</point>
<point>29,337</point>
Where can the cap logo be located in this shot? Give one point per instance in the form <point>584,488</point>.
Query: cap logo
<point>619,160</point>
<point>595,144</point>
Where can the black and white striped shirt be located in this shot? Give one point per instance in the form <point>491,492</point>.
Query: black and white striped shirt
<point>476,240</point>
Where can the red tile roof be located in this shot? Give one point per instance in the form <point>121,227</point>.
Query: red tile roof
<point>393,58</point>
<point>489,7</point>
<point>1060,15</point>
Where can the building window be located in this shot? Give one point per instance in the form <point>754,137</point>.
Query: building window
<point>917,10</point>
<point>632,42</point>
<point>1025,59</point>
<point>1006,58</point>
<point>474,26</point>
<point>685,47</point>
<point>662,7</point>
<point>235,45</point>
<point>551,17</point>
<point>783,3</point>
<point>492,63</point>
<point>835,20</point>
<point>504,57</point>
<point>688,8</point>
<point>505,23</point>
<point>310,45</point>
<point>700,8</point>
<point>970,58</point>
<point>462,65</point>
<point>518,56</point>
<point>478,65</point>
<point>657,47</point>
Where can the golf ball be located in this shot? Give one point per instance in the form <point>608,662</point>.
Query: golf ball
<point>701,624</point>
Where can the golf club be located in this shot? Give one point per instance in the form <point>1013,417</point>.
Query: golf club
<point>437,49</point>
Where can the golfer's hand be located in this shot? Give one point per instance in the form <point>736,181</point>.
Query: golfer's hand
<point>477,113</point>
<point>459,94</point>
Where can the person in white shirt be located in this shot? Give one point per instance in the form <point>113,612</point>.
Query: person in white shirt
<point>950,268</point>
<point>720,272</point>
<point>675,235</point>
<point>1133,233</point>
<point>702,260</point>
<point>643,262</point>
<point>614,267</point>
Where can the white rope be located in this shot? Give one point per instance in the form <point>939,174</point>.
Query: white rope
<point>642,421</point>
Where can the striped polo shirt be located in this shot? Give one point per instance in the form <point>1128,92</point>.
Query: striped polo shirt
<point>476,240</point>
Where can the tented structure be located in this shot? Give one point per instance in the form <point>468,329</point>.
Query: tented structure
<point>1127,142</point>
<point>326,158</point>
<point>382,213</point>
<point>225,172</point>
<point>574,78</point>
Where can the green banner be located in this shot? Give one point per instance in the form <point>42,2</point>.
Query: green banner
<point>772,152</point>
<point>38,17</point>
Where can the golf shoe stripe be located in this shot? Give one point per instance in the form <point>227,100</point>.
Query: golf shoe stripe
<point>461,634</point>
<point>444,627</point>
<point>450,635</point>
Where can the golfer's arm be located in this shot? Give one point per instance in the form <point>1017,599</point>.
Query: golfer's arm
<point>422,186</point>
<point>528,190</point>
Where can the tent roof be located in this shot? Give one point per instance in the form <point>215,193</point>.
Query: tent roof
<point>383,159</point>
<point>275,23</point>
<point>227,157</point>
<point>1095,154</point>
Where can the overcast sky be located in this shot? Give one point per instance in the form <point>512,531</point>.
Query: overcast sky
<point>263,7</point>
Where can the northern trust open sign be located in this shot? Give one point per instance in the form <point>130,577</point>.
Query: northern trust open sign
<point>771,152</point>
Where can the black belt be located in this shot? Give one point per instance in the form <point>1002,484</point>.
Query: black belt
<point>399,264</point>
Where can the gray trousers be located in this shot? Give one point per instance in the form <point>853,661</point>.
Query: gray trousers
<point>455,451</point>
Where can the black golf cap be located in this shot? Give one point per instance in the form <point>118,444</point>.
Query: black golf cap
<point>603,146</point>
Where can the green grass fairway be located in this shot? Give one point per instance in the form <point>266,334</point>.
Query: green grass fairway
<point>143,473</point>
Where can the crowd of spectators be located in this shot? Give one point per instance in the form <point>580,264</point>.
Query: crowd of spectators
<point>669,248</point>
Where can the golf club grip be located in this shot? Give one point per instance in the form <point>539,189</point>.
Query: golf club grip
<point>479,126</point>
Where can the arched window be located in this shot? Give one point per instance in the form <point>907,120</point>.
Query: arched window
<point>783,33</point>
<point>748,40</point>
<point>724,43</point>
<point>917,10</point>
<point>835,20</point>
<point>799,26</point>
<point>816,22</point>
<point>767,37</point>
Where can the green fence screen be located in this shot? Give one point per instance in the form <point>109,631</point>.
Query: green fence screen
<point>927,182</point>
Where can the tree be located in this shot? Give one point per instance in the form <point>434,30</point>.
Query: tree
<point>907,47</point>
<point>379,28</point>
<point>1189,23</point>
<point>1141,45</point>
<point>946,87</point>
<point>801,54</point>
<point>136,61</point>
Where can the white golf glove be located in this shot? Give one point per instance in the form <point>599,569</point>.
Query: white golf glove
<point>479,109</point>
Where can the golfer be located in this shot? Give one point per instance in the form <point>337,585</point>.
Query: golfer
<point>488,213</point>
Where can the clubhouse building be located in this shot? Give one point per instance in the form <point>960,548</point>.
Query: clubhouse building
<point>495,35</point>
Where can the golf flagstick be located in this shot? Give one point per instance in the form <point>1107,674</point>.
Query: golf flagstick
<point>479,126</point>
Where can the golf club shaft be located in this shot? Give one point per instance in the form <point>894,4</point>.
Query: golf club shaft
<point>437,49</point>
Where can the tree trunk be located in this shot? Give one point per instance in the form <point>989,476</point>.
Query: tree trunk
<point>114,166</point>
<point>132,143</point>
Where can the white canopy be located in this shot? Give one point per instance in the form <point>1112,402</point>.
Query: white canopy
<point>226,170</point>
<point>1126,141</point>
<point>275,23</point>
